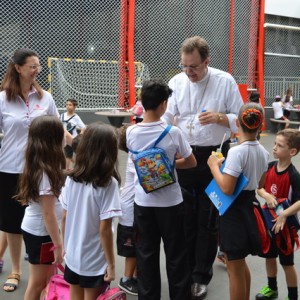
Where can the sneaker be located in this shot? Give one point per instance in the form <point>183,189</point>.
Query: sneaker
<point>266,293</point>
<point>129,286</point>
<point>221,257</point>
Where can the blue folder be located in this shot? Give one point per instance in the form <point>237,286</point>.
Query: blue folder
<point>222,201</point>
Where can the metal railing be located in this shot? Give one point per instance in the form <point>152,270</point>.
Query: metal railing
<point>275,85</point>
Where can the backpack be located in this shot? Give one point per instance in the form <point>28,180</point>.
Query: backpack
<point>283,238</point>
<point>153,166</point>
<point>67,123</point>
<point>263,231</point>
<point>112,294</point>
<point>57,288</point>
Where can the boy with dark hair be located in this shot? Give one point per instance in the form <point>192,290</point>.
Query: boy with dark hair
<point>71,122</point>
<point>282,181</point>
<point>159,214</point>
<point>254,97</point>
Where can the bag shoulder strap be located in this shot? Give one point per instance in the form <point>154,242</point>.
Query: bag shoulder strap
<point>63,118</point>
<point>70,118</point>
<point>162,135</point>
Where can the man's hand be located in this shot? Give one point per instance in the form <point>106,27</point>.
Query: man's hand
<point>208,117</point>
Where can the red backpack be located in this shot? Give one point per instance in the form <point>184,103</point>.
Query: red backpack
<point>289,231</point>
<point>263,232</point>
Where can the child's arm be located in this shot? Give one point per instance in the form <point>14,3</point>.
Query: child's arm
<point>281,219</point>
<point>225,181</point>
<point>262,181</point>
<point>186,163</point>
<point>63,224</point>
<point>48,210</point>
<point>269,198</point>
<point>106,236</point>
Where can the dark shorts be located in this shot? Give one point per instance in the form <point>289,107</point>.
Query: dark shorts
<point>239,234</point>
<point>33,246</point>
<point>68,150</point>
<point>286,113</point>
<point>126,238</point>
<point>274,252</point>
<point>83,281</point>
<point>11,211</point>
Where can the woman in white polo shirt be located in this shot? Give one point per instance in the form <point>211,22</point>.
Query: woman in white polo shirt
<point>21,100</point>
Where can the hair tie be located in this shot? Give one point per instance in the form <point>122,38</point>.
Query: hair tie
<point>252,118</point>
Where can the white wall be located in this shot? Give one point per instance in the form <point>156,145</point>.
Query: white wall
<point>286,8</point>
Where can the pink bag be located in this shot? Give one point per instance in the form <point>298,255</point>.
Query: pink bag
<point>112,294</point>
<point>137,109</point>
<point>57,288</point>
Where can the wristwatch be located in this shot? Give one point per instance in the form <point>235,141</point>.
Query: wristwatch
<point>220,118</point>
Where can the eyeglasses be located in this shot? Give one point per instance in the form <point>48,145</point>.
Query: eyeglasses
<point>192,68</point>
<point>35,67</point>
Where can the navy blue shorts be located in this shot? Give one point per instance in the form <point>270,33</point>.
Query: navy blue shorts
<point>274,252</point>
<point>68,150</point>
<point>126,239</point>
<point>33,247</point>
<point>83,281</point>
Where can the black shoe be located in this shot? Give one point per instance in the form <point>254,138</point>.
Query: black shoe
<point>129,286</point>
<point>199,291</point>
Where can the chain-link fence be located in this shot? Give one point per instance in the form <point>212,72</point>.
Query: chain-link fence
<point>161,27</point>
<point>282,57</point>
<point>85,29</point>
<point>90,30</point>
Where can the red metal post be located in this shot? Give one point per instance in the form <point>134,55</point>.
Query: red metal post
<point>123,54</point>
<point>260,51</point>
<point>231,37</point>
<point>130,51</point>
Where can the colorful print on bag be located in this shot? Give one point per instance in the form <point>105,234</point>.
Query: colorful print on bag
<point>153,166</point>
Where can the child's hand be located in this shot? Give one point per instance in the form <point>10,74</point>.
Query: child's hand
<point>110,274</point>
<point>279,223</point>
<point>271,201</point>
<point>58,256</point>
<point>213,160</point>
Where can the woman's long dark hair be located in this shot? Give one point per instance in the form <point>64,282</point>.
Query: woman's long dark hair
<point>11,80</point>
<point>96,156</point>
<point>44,154</point>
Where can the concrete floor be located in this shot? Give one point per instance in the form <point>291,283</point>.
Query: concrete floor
<point>218,288</point>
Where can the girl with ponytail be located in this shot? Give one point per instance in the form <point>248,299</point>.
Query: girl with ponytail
<point>239,232</point>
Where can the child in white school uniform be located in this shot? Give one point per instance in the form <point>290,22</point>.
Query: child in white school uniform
<point>90,200</point>
<point>39,187</point>
<point>72,122</point>
<point>239,233</point>
<point>159,214</point>
<point>126,232</point>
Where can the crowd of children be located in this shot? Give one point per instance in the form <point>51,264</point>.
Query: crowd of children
<point>79,225</point>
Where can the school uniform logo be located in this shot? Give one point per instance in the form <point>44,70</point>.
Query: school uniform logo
<point>273,189</point>
<point>128,242</point>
